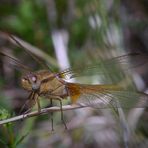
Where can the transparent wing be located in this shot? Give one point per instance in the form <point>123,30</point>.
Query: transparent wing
<point>15,63</point>
<point>108,65</point>
<point>28,48</point>
<point>108,98</point>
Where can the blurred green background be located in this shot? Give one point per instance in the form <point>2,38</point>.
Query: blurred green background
<point>72,33</point>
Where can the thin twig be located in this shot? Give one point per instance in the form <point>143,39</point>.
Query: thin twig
<point>43,111</point>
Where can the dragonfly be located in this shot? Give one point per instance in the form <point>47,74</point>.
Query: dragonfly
<point>54,86</point>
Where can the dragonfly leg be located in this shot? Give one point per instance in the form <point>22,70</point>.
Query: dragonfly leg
<point>21,110</point>
<point>30,101</point>
<point>27,111</point>
<point>62,115</point>
<point>38,103</point>
<point>51,117</point>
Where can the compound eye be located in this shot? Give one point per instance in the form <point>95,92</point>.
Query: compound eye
<point>24,79</point>
<point>34,79</point>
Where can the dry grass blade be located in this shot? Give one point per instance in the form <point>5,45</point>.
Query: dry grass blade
<point>36,51</point>
<point>16,63</point>
<point>30,48</point>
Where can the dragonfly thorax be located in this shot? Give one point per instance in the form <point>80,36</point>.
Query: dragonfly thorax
<point>43,83</point>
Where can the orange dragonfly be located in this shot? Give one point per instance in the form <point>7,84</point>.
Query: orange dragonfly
<point>54,86</point>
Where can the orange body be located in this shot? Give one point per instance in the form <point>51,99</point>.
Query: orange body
<point>75,90</point>
<point>51,86</point>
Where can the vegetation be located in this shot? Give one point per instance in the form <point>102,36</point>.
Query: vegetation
<point>84,33</point>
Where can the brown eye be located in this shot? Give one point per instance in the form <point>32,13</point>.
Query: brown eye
<point>24,79</point>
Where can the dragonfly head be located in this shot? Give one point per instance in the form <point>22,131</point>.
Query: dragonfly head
<point>30,82</point>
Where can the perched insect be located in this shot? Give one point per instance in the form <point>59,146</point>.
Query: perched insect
<point>53,86</point>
